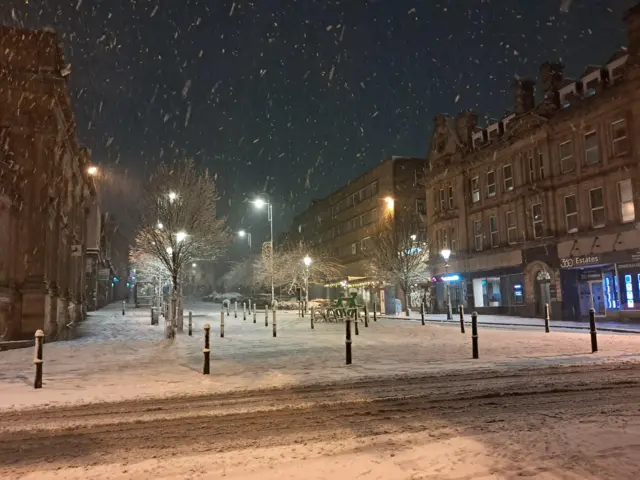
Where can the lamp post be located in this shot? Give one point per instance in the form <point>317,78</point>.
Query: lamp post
<point>259,203</point>
<point>446,253</point>
<point>242,234</point>
<point>307,263</point>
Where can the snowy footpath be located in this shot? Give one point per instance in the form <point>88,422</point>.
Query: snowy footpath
<point>120,357</point>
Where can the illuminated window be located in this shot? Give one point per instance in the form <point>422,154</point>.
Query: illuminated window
<point>628,288</point>
<point>625,197</point>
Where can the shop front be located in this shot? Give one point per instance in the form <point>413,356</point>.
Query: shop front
<point>450,285</point>
<point>498,291</point>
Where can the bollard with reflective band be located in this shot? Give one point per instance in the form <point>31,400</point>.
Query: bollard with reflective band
<point>593,331</point>
<point>546,317</point>
<point>474,334</point>
<point>375,315</point>
<point>123,307</point>
<point>312,313</point>
<point>461,309</point>
<point>190,324</point>
<point>274,323</point>
<point>37,360</point>
<point>422,312</point>
<point>266,316</point>
<point>206,351</point>
<point>348,341</point>
<point>356,320</point>
<point>222,324</point>
<point>366,317</point>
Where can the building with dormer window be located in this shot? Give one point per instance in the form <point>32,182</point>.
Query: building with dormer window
<point>540,208</point>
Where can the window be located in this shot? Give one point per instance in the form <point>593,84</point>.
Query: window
<point>491,184</point>
<point>454,243</point>
<point>619,136</point>
<point>536,217</point>
<point>493,228</point>
<point>596,201</point>
<point>531,169</point>
<point>363,243</point>
<point>475,189</point>
<point>486,292</point>
<point>375,214</point>
<point>625,197</point>
<point>354,248</point>
<point>444,238</point>
<point>507,174</point>
<point>421,206</point>
<point>591,150</point>
<point>374,187</point>
<point>450,195</point>
<point>566,157</point>
<point>541,166</point>
<point>442,200</point>
<point>571,213</point>
<point>512,233</point>
<point>477,229</point>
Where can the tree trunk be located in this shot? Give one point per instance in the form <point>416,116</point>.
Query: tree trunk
<point>406,300</point>
<point>173,309</point>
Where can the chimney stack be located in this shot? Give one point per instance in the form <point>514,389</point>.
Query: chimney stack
<point>466,122</point>
<point>525,95</point>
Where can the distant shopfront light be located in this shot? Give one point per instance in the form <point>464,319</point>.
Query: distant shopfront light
<point>450,278</point>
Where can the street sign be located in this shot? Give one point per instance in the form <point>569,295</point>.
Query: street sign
<point>103,274</point>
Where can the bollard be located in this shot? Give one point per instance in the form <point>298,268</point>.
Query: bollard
<point>474,333</point>
<point>274,323</point>
<point>366,317</point>
<point>348,341</point>
<point>546,318</point>
<point>461,309</point>
<point>123,307</point>
<point>38,358</point>
<point>594,333</point>
<point>190,324</point>
<point>244,311</point>
<point>266,316</point>
<point>422,312</point>
<point>228,307</point>
<point>375,318</point>
<point>235,309</point>
<point>250,307</point>
<point>312,313</point>
<point>206,351</point>
<point>222,324</point>
<point>152,316</point>
<point>254,314</point>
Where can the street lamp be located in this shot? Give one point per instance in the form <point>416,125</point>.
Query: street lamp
<point>160,226</point>
<point>446,253</point>
<point>172,196</point>
<point>242,234</point>
<point>180,236</point>
<point>93,171</point>
<point>390,203</point>
<point>259,203</point>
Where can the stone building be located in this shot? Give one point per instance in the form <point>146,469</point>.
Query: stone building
<point>540,206</point>
<point>44,190</point>
<point>343,222</point>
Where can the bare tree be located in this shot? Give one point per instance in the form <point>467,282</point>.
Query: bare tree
<point>397,256</point>
<point>179,224</point>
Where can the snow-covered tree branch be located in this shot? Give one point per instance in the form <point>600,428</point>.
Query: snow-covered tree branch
<point>179,224</point>
<point>397,256</point>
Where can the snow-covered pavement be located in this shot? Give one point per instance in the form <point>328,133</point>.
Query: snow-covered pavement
<point>119,357</point>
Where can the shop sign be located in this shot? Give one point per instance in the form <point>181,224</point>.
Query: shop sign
<point>590,275</point>
<point>450,278</point>
<point>629,265</point>
<point>580,261</point>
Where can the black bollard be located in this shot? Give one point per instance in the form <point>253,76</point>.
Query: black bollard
<point>312,312</point>
<point>375,317</point>
<point>461,309</point>
<point>356,320</point>
<point>228,307</point>
<point>366,317</point>
<point>123,307</point>
<point>235,309</point>
<point>348,341</point>
<point>206,351</point>
<point>546,317</point>
<point>422,312</point>
<point>274,323</point>
<point>38,358</point>
<point>244,311</point>
<point>254,314</point>
<point>190,324</point>
<point>152,319</point>
<point>592,328</point>
<point>474,333</point>
<point>222,324</point>
<point>266,316</point>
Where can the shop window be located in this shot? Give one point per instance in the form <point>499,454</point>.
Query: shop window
<point>517,294</point>
<point>507,174</point>
<point>512,232</point>
<point>620,137</point>
<point>628,288</point>
<point>625,197</point>
<point>450,196</point>
<point>475,189</point>
<point>493,228</point>
<point>591,149</point>
<point>486,292</point>
<point>477,228</point>
<point>596,201</point>
<point>567,163</point>
<point>538,223</point>
<point>571,213</point>
<point>491,184</point>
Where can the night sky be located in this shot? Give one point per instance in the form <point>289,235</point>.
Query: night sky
<point>298,97</point>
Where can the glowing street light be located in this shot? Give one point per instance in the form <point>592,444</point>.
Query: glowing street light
<point>307,261</point>
<point>446,253</point>
<point>242,233</point>
<point>169,250</point>
<point>193,265</point>
<point>180,236</point>
<point>259,204</point>
<point>160,226</point>
<point>93,170</point>
<point>390,203</point>
<point>172,196</point>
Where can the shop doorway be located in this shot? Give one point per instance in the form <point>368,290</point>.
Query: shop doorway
<point>542,291</point>
<point>597,297</point>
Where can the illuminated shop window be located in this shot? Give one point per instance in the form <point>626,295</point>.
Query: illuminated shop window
<point>628,288</point>
<point>608,297</point>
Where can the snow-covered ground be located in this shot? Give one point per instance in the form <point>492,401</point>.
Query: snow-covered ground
<point>119,357</point>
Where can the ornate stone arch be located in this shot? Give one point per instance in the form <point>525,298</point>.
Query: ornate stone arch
<point>536,271</point>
